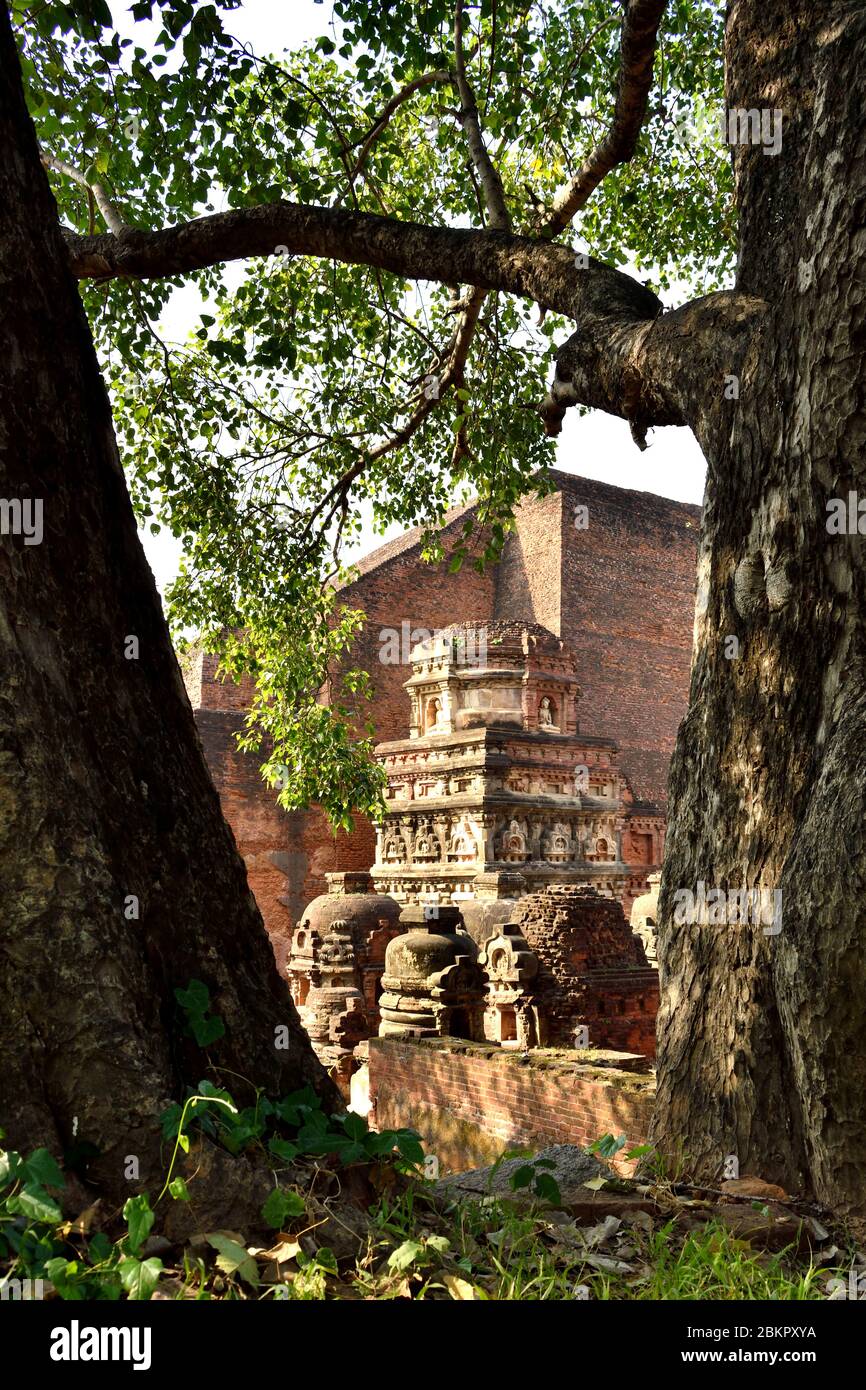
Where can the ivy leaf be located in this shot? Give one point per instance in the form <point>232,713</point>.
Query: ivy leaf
<point>521,1177</point>
<point>281,1205</point>
<point>409,1145</point>
<point>548,1188</point>
<point>179,1190</point>
<point>405,1255</point>
<point>195,998</point>
<point>139,1220</point>
<point>355,1126</point>
<point>64,1274</point>
<point>42,1169</point>
<point>283,1149</point>
<point>34,1203</point>
<point>140,1277</point>
<point>99,1249</point>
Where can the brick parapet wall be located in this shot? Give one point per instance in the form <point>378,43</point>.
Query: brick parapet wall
<point>469,1102</point>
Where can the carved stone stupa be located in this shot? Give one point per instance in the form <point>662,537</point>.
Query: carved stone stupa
<point>495,778</point>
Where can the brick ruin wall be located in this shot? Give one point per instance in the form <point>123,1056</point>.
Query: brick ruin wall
<point>592,970</point>
<point>628,608</point>
<point>469,1102</point>
<point>620,592</point>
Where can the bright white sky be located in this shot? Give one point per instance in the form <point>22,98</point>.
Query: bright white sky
<point>593,446</point>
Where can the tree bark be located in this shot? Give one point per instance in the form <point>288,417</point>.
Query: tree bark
<point>762,1037</point>
<point>104,792</point>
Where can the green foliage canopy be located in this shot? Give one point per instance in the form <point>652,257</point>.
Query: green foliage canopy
<point>281,430</point>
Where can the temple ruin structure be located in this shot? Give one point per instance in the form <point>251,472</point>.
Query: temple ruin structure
<point>335,966</point>
<point>496,781</point>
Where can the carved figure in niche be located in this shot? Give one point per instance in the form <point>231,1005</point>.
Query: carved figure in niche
<point>463,846</point>
<point>436,718</point>
<point>513,843</point>
<point>557,843</point>
<point>393,851</point>
<point>546,712</point>
<point>426,845</point>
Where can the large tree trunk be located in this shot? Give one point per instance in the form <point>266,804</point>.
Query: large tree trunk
<point>762,1037</point>
<point>104,791</point>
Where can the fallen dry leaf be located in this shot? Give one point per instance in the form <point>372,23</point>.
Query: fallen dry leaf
<point>82,1224</point>
<point>459,1288</point>
<point>754,1187</point>
<point>816,1229</point>
<point>283,1250</point>
<point>607,1263</point>
<point>597,1235</point>
<point>639,1218</point>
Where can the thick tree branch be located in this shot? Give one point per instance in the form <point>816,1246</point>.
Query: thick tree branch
<point>491,184</point>
<point>627,357</point>
<point>637,50</point>
<point>670,370</point>
<point>95,191</point>
<point>450,255</point>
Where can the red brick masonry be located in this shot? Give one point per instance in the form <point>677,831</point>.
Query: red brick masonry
<point>469,1101</point>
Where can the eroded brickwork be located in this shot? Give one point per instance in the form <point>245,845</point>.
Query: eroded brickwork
<point>470,1102</point>
<point>592,970</point>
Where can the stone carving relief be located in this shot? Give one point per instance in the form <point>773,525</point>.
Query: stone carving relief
<point>547,715</point>
<point>426,846</point>
<point>463,846</point>
<point>512,843</point>
<point>557,844</point>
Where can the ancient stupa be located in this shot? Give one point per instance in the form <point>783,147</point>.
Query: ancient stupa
<point>496,793</point>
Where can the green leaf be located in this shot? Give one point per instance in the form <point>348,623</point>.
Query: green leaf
<point>281,1205</point>
<point>206,1030</point>
<point>283,1149</point>
<point>409,1145</point>
<point>355,1126</point>
<point>35,1204</point>
<point>327,1260</point>
<point>99,1248</point>
<point>139,1220</point>
<point>405,1255</point>
<point>521,1177</point>
<point>42,1169</point>
<point>65,1276</point>
<point>233,1258</point>
<point>179,1190</point>
<point>140,1277</point>
<point>547,1187</point>
<point>195,998</point>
